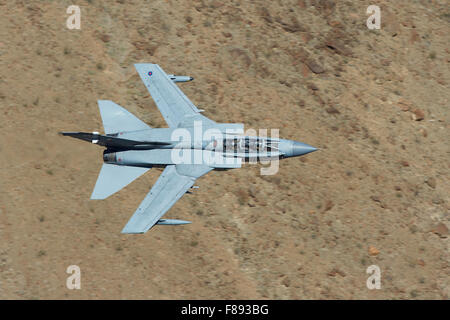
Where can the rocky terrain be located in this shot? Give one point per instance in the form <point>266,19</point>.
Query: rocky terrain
<point>376,103</point>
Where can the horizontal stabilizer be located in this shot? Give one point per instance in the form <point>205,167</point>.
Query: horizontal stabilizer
<point>113,178</point>
<point>116,119</point>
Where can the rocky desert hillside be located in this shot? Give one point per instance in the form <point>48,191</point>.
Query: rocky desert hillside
<point>376,103</point>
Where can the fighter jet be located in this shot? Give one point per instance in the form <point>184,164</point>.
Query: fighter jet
<point>190,147</point>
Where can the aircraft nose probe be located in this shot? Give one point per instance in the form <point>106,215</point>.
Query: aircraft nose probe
<point>291,148</point>
<point>300,148</point>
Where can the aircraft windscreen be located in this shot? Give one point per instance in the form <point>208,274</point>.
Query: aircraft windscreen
<point>248,145</point>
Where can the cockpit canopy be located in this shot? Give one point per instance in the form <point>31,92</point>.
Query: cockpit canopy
<point>247,145</point>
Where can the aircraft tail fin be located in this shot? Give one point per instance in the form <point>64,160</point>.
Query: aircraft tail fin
<point>113,178</point>
<point>117,119</point>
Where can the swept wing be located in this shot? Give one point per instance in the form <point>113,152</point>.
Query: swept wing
<point>175,107</point>
<point>172,184</point>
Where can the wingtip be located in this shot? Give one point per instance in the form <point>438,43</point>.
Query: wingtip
<point>97,197</point>
<point>125,231</point>
<point>139,64</point>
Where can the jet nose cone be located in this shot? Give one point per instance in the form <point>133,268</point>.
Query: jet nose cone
<point>300,148</point>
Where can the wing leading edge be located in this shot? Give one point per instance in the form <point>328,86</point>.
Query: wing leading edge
<point>173,183</point>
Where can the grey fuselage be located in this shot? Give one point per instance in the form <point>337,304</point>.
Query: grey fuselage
<point>215,147</point>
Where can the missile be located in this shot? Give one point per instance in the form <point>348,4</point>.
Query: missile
<point>171,222</point>
<point>175,78</point>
